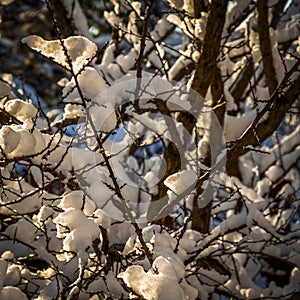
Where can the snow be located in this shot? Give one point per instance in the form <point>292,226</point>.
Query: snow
<point>234,222</point>
<point>234,127</point>
<point>50,291</point>
<point>109,285</point>
<point>102,117</point>
<point>230,103</point>
<point>261,162</point>
<point>11,292</point>
<point>7,2</point>
<point>181,63</point>
<point>4,89</point>
<point>72,111</point>
<point>82,231</point>
<point>156,59</point>
<point>13,275</point>
<point>274,173</point>
<point>97,191</point>
<point>26,202</point>
<point>112,18</point>
<point>200,26</point>
<point>247,221</point>
<point>79,49</point>
<point>161,28</point>
<point>91,84</point>
<point>159,284</point>
<point>181,181</point>
<point>17,141</point>
<point>126,62</point>
<point>3,268</point>
<point>77,199</point>
<point>263,186</point>
<point>20,109</point>
<point>186,25</point>
<point>108,56</point>
<point>114,70</point>
<point>237,9</point>
<point>189,240</point>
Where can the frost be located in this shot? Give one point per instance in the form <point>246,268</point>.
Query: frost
<point>72,53</point>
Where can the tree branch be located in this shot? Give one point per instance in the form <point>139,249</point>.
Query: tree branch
<point>210,47</point>
<point>265,45</point>
<point>279,103</point>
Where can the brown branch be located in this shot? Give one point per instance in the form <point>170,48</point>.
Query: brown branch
<point>210,47</point>
<point>7,119</point>
<point>199,6</point>
<point>140,58</point>
<point>240,18</point>
<point>59,12</point>
<point>237,90</point>
<point>279,103</point>
<point>217,88</point>
<point>242,82</point>
<point>139,61</point>
<point>278,8</point>
<point>201,215</point>
<point>127,212</point>
<point>207,63</point>
<point>265,45</point>
<point>206,74</point>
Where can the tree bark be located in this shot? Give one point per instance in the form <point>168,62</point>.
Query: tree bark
<point>211,47</point>
<point>265,45</point>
